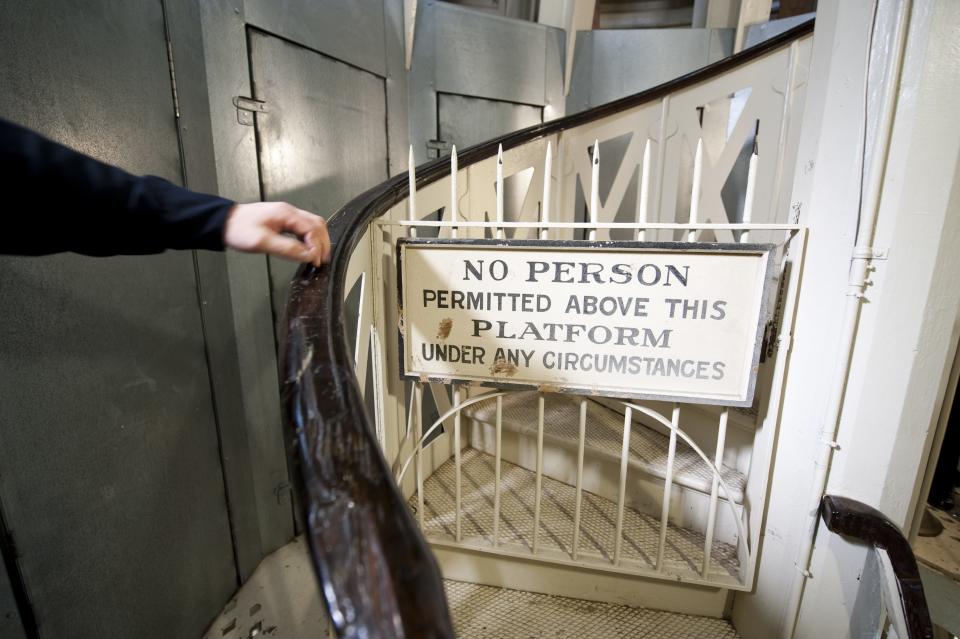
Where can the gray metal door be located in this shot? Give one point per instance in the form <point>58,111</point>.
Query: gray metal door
<point>110,475</point>
<point>465,120</point>
<point>323,139</point>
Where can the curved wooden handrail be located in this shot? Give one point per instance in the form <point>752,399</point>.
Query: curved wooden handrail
<point>851,518</point>
<point>377,574</point>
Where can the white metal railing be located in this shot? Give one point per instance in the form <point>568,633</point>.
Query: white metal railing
<point>682,167</point>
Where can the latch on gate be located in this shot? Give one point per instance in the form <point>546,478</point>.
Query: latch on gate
<point>246,107</point>
<point>440,146</point>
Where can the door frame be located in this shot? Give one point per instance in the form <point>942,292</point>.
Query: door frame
<point>254,442</point>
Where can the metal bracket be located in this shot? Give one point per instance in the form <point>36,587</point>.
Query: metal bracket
<point>871,253</point>
<point>247,107</point>
<point>832,443</point>
<point>441,146</point>
<point>281,491</point>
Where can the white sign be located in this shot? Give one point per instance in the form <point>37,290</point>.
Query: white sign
<point>668,321</point>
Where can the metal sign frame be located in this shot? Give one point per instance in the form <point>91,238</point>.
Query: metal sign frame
<point>767,304</point>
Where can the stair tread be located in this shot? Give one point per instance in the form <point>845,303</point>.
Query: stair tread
<point>487,611</point>
<point>648,447</point>
<point>641,532</point>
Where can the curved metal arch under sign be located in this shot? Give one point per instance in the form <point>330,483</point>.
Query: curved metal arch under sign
<point>669,321</point>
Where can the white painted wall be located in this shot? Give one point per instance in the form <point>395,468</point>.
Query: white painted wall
<point>908,325</point>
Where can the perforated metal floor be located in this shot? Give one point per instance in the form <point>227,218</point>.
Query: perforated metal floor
<point>483,612</point>
<point>648,447</point>
<point>281,601</point>
<point>684,548</point>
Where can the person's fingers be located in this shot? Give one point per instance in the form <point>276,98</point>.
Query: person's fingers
<point>320,238</point>
<point>288,247</point>
<point>299,221</point>
<point>312,228</point>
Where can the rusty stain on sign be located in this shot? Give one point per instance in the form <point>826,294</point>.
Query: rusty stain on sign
<point>443,331</point>
<point>503,367</point>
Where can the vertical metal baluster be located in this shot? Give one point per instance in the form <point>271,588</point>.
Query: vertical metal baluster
<point>644,195</point>
<point>714,492</point>
<point>418,434</point>
<point>662,159</point>
<point>547,177</point>
<point>415,412</point>
<point>537,497</point>
<point>695,191</point>
<point>594,190</point>
<point>667,484</point>
<point>499,234</point>
<point>453,191</point>
<point>725,415</point>
<point>412,195</point>
<point>580,447</point>
<point>748,197</point>
<point>498,451</point>
<point>456,455</point>
<point>622,494</point>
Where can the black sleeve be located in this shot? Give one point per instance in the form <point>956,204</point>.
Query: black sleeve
<point>59,200</point>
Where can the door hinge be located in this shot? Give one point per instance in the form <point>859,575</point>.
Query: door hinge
<point>173,80</point>
<point>247,107</point>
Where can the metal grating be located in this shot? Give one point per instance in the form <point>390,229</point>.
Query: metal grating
<point>684,548</point>
<point>484,612</point>
<point>281,601</point>
<point>648,448</point>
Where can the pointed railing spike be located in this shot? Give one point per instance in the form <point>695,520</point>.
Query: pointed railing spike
<point>644,197</point>
<point>412,195</point>
<point>547,179</point>
<point>695,191</point>
<point>453,190</point>
<point>595,190</point>
<point>748,196</point>
<point>500,190</point>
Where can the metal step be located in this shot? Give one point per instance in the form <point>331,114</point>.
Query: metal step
<point>648,447</point>
<point>485,612</point>
<point>684,548</point>
<point>281,601</point>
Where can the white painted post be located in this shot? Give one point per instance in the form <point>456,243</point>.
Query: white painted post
<point>579,499</point>
<point>547,177</point>
<point>644,195</point>
<point>667,485</point>
<point>498,452</point>
<point>594,190</point>
<point>418,435</point>
<point>539,492</point>
<point>453,191</point>
<point>748,196</point>
<point>412,195</point>
<point>622,493</point>
<point>695,191</point>
<point>456,457</point>
<point>499,233</point>
<point>714,492</point>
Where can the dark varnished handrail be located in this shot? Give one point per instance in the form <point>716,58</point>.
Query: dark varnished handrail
<point>852,518</point>
<point>377,574</point>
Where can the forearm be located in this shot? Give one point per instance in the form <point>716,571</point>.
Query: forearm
<point>66,201</point>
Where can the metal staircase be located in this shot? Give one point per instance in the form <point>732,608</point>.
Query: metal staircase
<point>666,502</point>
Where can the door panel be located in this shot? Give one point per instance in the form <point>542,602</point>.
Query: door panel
<point>323,140</point>
<point>110,474</point>
<point>466,121</point>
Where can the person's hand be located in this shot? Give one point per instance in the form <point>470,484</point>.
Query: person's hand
<point>260,227</point>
